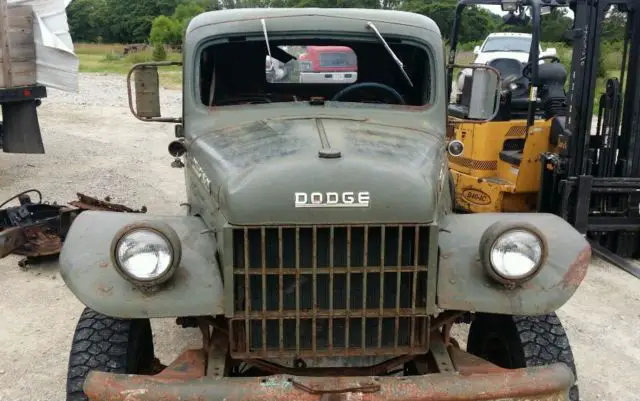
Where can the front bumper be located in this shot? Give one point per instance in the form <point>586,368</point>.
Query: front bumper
<point>475,380</point>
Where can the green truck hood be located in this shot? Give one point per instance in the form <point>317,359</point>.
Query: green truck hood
<point>254,170</point>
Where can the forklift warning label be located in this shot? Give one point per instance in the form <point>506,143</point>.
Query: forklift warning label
<point>476,196</point>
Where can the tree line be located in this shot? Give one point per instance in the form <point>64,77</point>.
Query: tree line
<point>164,21</point>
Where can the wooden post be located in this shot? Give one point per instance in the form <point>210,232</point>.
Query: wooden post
<point>5,51</point>
<point>17,46</point>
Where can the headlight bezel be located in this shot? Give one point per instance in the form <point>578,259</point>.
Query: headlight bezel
<point>167,233</point>
<point>495,232</point>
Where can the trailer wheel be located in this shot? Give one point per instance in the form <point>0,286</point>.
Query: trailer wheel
<point>109,345</point>
<point>521,341</point>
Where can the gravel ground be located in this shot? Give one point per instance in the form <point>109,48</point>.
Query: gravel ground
<point>95,146</point>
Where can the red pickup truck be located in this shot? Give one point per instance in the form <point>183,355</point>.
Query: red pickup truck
<point>328,64</point>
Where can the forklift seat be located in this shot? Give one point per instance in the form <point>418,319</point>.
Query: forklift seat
<point>509,67</point>
<point>554,98</point>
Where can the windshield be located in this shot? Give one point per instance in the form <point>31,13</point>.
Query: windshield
<point>314,71</point>
<point>507,44</point>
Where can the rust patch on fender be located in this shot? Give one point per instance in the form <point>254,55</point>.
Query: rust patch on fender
<point>105,289</point>
<point>578,269</point>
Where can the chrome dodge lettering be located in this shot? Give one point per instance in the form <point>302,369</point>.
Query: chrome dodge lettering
<point>332,199</point>
<point>200,174</point>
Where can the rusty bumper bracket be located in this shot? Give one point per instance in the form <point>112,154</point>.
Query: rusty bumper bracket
<point>329,387</point>
<point>474,380</point>
<point>37,230</point>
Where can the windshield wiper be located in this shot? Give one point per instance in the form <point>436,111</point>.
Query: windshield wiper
<point>391,53</point>
<point>266,39</point>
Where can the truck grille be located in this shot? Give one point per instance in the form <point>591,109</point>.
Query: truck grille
<point>330,291</point>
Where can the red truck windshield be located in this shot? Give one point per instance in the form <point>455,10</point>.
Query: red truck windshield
<point>337,59</point>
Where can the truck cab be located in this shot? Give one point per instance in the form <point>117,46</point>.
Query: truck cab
<point>513,45</point>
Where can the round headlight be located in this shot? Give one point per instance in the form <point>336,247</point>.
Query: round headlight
<point>146,253</point>
<point>455,148</point>
<point>512,252</point>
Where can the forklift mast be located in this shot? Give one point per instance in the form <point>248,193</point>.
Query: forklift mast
<point>594,181</point>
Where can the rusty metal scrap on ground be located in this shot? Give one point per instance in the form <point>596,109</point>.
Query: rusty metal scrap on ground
<point>37,230</point>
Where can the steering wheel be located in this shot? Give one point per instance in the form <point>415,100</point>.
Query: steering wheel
<point>508,80</point>
<point>351,88</point>
<point>526,71</point>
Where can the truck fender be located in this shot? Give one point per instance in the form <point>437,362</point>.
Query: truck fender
<point>87,269</point>
<point>463,283</point>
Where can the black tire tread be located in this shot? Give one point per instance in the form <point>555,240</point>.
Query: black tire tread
<point>543,340</point>
<point>100,343</point>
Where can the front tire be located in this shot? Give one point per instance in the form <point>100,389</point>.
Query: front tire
<point>513,342</point>
<point>109,345</point>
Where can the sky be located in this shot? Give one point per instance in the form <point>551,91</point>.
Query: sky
<point>494,9</point>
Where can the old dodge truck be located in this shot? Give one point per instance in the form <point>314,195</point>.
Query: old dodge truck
<point>319,257</point>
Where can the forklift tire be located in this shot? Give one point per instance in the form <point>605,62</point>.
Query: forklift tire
<point>107,344</point>
<point>452,191</point>
<point>513,342</point>
<point>452,186</point>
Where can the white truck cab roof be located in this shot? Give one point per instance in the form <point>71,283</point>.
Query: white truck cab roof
<point>504,45</point>
<point>514,34</point>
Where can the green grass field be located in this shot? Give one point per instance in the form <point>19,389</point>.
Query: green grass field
<point>109,58</point>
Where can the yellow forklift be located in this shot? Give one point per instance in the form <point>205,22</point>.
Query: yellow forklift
<point>536,152</point>
<point>495,162</point>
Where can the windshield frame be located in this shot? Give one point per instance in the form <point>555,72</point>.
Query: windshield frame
<point>504,39</point>
<point>278,38</point>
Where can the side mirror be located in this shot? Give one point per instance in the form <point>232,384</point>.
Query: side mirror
<point>551,51</point>
<point>480,94</point>
<point>476,50</point>
<point>485,93</point>
<point>147,92</point>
